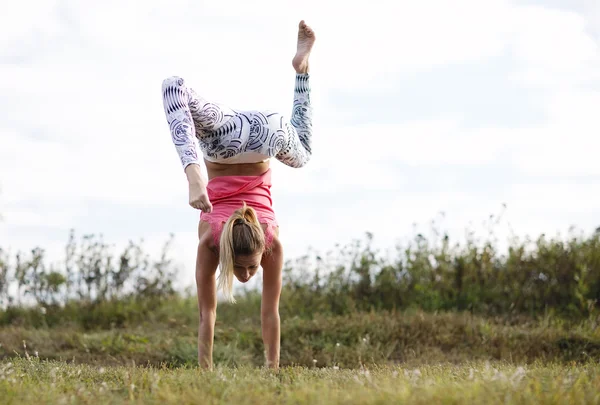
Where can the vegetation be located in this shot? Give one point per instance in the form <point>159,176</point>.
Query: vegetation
<point>34,381</point>
<point>89,274</point>
<point>541,278</point>
<point>435,322</point>
<point>345,341</point>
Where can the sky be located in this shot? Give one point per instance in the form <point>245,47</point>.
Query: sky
<point>420,108</point>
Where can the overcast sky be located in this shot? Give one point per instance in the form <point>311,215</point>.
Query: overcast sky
<point>419,107</point>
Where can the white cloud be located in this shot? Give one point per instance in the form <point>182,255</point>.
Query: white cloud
<point>82,116</point>
<point>27,18</point>
<point>568,143</point>
<point>553,49</point>
<point>592,17</point>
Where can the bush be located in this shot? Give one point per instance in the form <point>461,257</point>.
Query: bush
<point>545,277</point>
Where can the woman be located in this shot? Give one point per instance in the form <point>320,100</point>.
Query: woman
<point>238,230</point>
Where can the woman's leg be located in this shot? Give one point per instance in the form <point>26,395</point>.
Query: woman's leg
<point>297,150</point>
<point>190,116</point>
<point>208,116</point>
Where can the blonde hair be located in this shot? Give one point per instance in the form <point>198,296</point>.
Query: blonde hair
<point>242,235</point>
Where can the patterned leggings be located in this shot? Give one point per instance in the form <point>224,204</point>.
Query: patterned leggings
<point>226,135</point>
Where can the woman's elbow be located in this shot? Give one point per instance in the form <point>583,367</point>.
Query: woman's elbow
<point>270,315</point>
<point>208,315</point>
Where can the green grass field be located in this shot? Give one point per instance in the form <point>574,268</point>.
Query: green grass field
<point>360,358</point>
<point>411,338</point>
<point>33,381</point>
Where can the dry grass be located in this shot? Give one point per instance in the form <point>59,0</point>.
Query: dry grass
<point>347,341</point>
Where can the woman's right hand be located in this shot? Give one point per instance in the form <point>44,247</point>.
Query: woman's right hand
<point>199,197</point>
<point>198,193</point>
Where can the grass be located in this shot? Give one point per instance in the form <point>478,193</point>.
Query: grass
<point>379,357</point>
<point>348,341</point>
<point>34,381</point>
<point>358,358</point>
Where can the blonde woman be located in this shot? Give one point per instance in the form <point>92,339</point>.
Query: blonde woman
<point>238,230</point>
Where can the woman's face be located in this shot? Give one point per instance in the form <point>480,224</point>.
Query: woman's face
<point>246,266</point>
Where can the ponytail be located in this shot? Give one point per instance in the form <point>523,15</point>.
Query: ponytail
<point>242,235</point>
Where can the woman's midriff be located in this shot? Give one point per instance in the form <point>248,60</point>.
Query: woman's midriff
<point>239,169</point>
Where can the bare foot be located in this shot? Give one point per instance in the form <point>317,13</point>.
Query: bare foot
<point>306,39</point>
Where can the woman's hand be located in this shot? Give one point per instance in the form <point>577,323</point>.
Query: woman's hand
<point>199,197</point>
<point>197,189</point>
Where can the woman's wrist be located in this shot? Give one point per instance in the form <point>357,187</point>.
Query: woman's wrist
<point>194,174</point>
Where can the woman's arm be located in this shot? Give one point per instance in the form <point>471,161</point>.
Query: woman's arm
<point>272,264</point>
<point>206,266</point>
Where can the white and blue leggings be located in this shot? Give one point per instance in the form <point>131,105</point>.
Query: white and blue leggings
<point>224,134</point>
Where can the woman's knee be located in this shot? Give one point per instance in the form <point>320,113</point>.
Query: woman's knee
<point>173,81</point>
